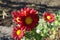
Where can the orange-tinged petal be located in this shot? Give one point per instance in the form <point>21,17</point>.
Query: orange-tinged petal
<point>18,19</point>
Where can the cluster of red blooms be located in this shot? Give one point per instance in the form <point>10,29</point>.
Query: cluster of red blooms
<point>28,19</point>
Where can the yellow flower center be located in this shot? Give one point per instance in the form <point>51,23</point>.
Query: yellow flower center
<point>48,17</point>
<point>28,20</point>
<point>17,19</point>
<point>18,32</point>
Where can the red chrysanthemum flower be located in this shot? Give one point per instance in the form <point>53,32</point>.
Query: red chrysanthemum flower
<point>17,33</point>
<point>49,17</point>
<point>27,17</point>
<point>16,17</point>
